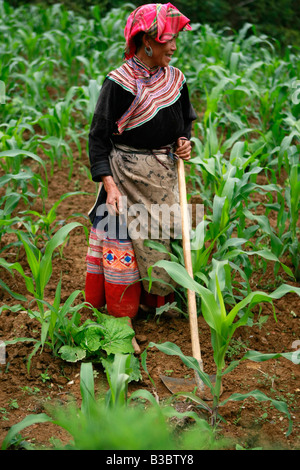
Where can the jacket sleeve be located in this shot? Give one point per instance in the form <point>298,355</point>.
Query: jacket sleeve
<point>188,112</point>
<point>111,104</point>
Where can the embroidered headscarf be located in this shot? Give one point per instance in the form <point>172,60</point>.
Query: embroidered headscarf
<point>160,21</point>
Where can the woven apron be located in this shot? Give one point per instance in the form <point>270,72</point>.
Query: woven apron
<point>118,257</point>
<point>148,179</point>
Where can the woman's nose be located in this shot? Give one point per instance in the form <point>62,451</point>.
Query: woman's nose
<point>173,44</point>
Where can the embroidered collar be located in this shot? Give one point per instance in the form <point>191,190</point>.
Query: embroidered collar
<point>153,89</point>
<point>141,67</point>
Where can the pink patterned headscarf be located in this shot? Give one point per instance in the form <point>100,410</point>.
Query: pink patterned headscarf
<point>160,21</point>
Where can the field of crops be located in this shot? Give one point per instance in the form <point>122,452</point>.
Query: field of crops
<point>67,372</point>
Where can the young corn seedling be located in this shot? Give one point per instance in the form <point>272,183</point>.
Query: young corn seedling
<point>40,265</point>
<point>61,319</point>
<point>292,238</point>
<point>222,325</point>
<point>18,177</point>
<point>45,224</point>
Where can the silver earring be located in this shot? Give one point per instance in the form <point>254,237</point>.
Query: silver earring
<point>148,51</point>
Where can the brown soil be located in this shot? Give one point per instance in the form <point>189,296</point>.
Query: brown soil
<point>250,424</point>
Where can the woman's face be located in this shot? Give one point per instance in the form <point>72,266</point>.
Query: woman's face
<point>161,53</point>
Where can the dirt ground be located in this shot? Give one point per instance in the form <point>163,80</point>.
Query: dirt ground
<point>250,424</point>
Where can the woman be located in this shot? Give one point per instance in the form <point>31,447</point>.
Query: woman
<point>142,123</point>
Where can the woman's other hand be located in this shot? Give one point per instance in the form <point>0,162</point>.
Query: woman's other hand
<point>183,148</point>
<point>114,197</point>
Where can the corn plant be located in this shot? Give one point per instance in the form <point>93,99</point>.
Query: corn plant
<point>8,203</point>
<point>222,325</point>
<point>57,325</point>
<point>118,377</point>
<point>61,319</point>
<point>45,224</point>
<point>212,249</point>
<point>40,265</point>
<point>286,238</point>
<point>17,175</point>
<point>293,200</point>
<point>55,328</point>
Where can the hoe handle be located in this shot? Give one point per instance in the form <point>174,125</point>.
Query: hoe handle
<point>191,295</point>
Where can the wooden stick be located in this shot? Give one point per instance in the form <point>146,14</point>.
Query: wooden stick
<point>191,295</point>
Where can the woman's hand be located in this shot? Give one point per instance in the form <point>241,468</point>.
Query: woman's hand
<point>114,197</point>
<point>183,148</point>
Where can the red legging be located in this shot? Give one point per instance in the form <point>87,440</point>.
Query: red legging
<point>112,278</point>
<point>111,274</point>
